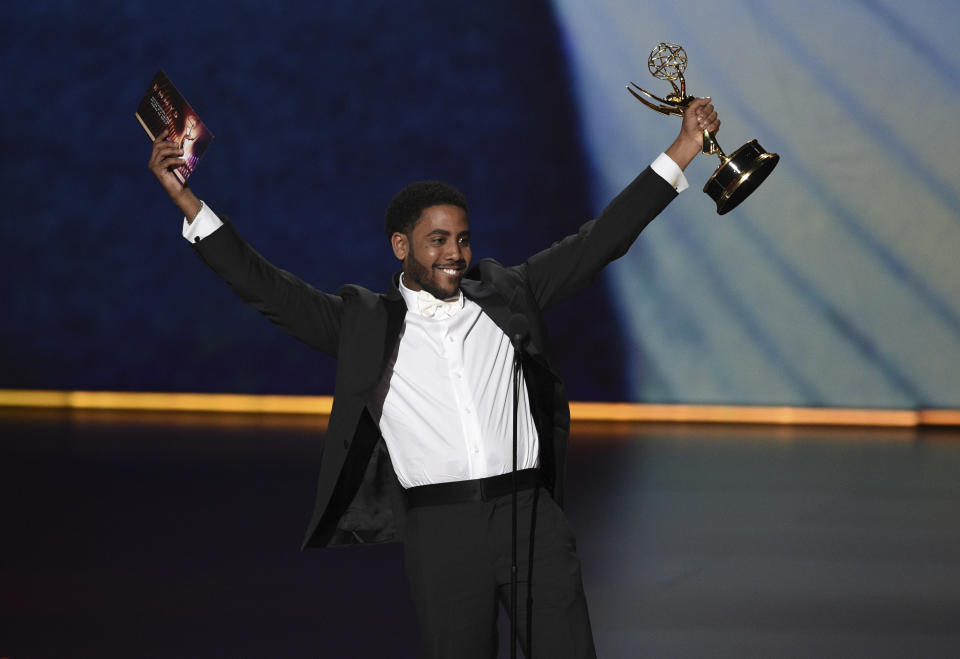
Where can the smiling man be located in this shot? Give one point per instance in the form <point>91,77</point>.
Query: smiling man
<point>419,444</point>
<point>433,241</point>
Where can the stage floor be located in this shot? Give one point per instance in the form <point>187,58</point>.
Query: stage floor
<point>162,535</point>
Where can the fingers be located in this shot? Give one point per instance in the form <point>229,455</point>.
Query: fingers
<point>709,122</point>
<point>168,163</point>
<point>164,149</point>
<point>705,114</point>
<point>165,157</point>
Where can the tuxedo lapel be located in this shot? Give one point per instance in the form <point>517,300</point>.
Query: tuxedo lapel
<point>492,303</point>
<point>499,309</point>
<point>396,312</point>
<point>372,328</point>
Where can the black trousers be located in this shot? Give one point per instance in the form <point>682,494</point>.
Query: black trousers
<point>458,559</point>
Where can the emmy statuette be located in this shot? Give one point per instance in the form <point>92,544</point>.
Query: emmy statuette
<point>739,174</point>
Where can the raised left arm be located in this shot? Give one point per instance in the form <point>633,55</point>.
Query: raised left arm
<point>569,265</point>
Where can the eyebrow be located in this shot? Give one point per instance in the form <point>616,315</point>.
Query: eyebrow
<point>444,232</point>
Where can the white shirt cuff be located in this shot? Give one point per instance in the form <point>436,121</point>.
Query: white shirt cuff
<point>205,223</point>
<point>670,172</point>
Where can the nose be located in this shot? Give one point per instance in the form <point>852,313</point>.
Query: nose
<point>454,251</point>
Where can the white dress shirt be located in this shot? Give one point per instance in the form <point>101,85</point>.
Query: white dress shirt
<point>445,402</point>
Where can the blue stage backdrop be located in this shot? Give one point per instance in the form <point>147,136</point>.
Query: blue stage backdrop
<point>836,284</point>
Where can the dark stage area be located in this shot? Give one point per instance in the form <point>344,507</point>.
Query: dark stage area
<point>169,535</point>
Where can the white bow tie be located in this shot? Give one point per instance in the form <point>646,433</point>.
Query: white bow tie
<point>431,307</point>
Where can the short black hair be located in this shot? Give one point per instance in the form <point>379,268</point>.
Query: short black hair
<point>405,208</point>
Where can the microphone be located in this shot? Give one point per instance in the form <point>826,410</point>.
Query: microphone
<point>518,329</point>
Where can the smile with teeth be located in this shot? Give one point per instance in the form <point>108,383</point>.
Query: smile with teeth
<point>452,271</point>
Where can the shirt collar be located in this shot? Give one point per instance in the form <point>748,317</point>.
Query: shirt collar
<point>410,297</point>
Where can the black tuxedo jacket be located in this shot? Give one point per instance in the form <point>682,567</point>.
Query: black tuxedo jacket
<point>359,499</point>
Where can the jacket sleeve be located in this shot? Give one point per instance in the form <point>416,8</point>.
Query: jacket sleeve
<point>299,309</point>
<point>569,265</point>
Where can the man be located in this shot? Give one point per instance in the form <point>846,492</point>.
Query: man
<point>419,444</point>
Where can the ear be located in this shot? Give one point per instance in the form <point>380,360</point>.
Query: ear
<point>400,244</point>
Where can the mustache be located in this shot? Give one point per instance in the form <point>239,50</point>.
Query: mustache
<point>460,265</point>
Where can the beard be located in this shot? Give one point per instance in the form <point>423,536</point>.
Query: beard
<point>422,276</point>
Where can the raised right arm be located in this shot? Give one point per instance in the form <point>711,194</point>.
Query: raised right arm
<point>299,309</point>
<point>293,305</point>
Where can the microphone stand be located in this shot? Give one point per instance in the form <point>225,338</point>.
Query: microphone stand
<point>513,548</point>
<point>518,329</point>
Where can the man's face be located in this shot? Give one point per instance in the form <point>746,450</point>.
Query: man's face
<point>437,252</point>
